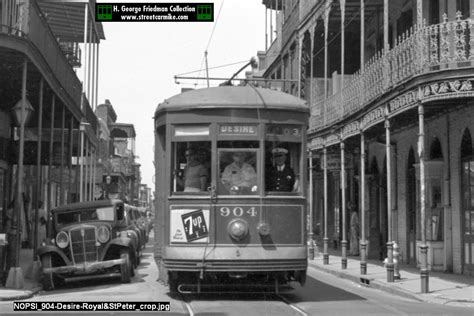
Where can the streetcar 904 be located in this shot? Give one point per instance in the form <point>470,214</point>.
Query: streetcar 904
<point>231,189</point>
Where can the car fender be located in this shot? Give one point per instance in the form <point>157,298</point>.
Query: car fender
<point>52,249</point>
<point>122,241</point>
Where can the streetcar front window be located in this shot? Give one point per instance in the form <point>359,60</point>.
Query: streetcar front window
<point>238,168</point>
<point>192,167</point>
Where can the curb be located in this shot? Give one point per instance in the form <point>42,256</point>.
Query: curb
<point>25,295</point>
<point>370,283</point>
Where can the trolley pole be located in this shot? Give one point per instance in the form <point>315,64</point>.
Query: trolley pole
<point>207,69</point>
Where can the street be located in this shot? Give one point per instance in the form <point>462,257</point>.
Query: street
<point>322,293</point>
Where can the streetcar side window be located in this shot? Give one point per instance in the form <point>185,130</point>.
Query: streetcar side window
<point>238,171</point>
<point>191,167</point>
<point>282,167</point>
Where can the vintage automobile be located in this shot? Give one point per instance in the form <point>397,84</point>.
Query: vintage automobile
<point>134,215</point>
<point>88,240</point>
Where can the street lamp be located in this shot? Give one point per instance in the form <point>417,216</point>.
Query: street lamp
<point>21,113</point>
<point>16,110</point>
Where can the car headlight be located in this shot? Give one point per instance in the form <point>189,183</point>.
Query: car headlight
<point>62,239</point>
<point>103,234</point>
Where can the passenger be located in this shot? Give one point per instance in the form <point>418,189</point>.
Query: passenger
<point>194,178</point>
<point>239,177</point>
<point>280,177</point>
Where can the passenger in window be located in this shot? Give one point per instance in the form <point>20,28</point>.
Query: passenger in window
<point>239,177</point>
<point>280,177</point>
<point>194,177</point>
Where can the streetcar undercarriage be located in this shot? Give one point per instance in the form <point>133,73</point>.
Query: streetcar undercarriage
<point>234,281</point>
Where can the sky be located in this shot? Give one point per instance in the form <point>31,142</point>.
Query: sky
<point>138,62</point>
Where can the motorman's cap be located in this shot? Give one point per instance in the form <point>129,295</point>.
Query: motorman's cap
<point>279,151</point>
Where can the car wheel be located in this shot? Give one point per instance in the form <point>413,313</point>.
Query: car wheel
<point>125,266</point>
<point>173,283</point>
<point>48,279</point>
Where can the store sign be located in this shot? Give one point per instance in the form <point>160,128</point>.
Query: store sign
<point>334,161</point>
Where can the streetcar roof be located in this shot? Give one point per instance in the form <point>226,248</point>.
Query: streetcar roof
<point>233,97</point>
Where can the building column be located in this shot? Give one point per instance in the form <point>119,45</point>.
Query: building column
<point>61,170</point>
<point>362,48</point>
<point>343,207</point>
<point>15,274</point>
<point>343,19</point>
<point>389,265</point>
<point>86,171</point>
<point>50,162</point>
<point>38,169</point>
<point>81,163</point>
<point>363,241</point>
<point>325,189</point>
<point>424,272</point>
<point>326,26</point>
<point>311,207</point>
<point>71,140</point>
<point>300,48</point>
<point>311,34</point>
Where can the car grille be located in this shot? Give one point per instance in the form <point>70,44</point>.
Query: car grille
<point>83,246</point>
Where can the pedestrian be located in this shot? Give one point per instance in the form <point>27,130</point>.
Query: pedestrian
<point>354,231</point>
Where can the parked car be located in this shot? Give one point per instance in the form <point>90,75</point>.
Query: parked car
<point>139,224</point>
<point>88,240</point>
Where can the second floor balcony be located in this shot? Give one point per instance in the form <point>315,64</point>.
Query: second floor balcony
<point>424,50</point>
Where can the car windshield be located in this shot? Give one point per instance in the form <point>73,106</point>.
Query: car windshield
<point>85,215</point>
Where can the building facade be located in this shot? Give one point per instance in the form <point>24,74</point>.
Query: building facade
<point>48,129</point>
<point>389,84</point>
<point>118,175</point>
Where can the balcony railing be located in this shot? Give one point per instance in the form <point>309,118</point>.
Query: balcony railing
<point>421,50</point>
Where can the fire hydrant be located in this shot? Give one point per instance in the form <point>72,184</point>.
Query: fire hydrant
<point>396,257</point>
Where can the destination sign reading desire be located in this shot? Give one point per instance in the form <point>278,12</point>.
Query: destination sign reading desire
<point>238,129</point>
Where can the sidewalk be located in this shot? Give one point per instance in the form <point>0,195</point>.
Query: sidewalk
<point>444,288</point>
<point>31,286</point>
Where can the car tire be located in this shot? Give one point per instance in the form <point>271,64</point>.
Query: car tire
<point>48,278</point>
<point>173,283</point>
<point>125,267</point>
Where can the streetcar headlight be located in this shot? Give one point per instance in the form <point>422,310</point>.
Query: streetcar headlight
<point>103,234</point>
<point>238,229</point>
<point>62,239</point>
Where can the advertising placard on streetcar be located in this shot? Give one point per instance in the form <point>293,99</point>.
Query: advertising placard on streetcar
<point>189,225</point>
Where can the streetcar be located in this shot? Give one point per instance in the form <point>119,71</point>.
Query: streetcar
<point>219,222</point>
